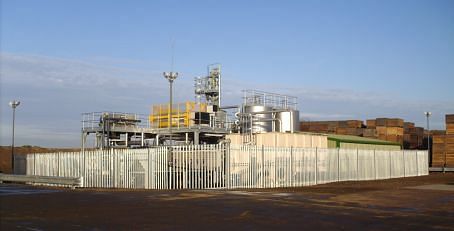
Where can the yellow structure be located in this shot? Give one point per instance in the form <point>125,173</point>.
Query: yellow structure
<point>183,114</point>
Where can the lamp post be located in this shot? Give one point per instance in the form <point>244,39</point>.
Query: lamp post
<point>171,76</point>
<point>13,104</point>
<point>428,114</point>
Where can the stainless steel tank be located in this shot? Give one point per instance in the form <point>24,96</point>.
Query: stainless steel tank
<point>289,119</point>
<point>221,119</point>
<point>261,122</point>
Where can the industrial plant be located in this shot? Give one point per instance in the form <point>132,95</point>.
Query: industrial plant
<point>204,144</point>
<point>204,121</point>
<point>260,118</point>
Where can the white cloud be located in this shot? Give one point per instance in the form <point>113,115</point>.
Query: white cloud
<point>54,92</point>
<point>39,135</point>
<point>45,71</point>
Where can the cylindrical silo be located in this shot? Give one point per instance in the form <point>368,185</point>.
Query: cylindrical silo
<point>262,119</point>
<point>287,120</point>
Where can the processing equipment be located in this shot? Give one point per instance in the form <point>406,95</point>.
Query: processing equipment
<point>203,121</point>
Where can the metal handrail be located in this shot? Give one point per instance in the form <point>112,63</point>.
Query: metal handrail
<point>55,180</point>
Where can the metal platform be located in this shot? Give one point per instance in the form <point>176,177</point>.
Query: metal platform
<point>126,130</point>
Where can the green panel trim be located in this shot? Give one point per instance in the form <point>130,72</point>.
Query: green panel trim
<point>369,146</point>
<point>362,141</point>
<point>333,144</point>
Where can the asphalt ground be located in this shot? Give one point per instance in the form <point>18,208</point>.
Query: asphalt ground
<point>416,203</point>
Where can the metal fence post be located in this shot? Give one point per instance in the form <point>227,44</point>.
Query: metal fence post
<point>427,161</point>
<point>229,163</point>
<point>375,166</point>
<point>390,165</point>
<point>58,164</point>
<point>357,164</point>
<point>291,166</point>
<point>275,168</point>
<point>403,160</point>
<point>170,167</point>
<point>338,164</point>
<point>417,164</point>
<point>149,169</point>
<point>316,163</point>
<point>249,168</point>
<point>263,166</point>
<point>83,164</point>
<point>34,164</point>
<point>115,167</point>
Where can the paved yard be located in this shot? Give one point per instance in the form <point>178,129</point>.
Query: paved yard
<point>417,203</point>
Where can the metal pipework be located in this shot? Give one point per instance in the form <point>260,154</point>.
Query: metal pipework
<point>230,107</point>
<point>273,119</point>
<point>226,141</point>
<point>238,114</point>
<point>280,123</point>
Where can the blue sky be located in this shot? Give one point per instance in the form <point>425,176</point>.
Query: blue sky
<point>343,59</point>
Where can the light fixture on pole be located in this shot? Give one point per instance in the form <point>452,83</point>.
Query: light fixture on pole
<point>13,104</point>
<point>171,76</point>
<point>428,114</point>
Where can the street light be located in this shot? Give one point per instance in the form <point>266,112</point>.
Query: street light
<point>13,104</point>
<point>428,114</point>
<point>171,76</point>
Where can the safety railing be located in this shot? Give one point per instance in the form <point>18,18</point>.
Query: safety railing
<point>268,99</point>
<point>46,180</point>
<point>94,120</point>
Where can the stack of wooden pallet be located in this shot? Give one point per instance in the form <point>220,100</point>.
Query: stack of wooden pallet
<point>389,129</point>
<point>438,149</point>
<point>413,136</point>
<point>350,127</point>
<point>318,126</point>
<point>344,127</point>
<point>443,145</point>
<point>449,148</point>
<point>371,131</point>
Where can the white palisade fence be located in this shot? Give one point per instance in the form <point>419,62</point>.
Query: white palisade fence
<point>224,166</point>
<point>270,167</point>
